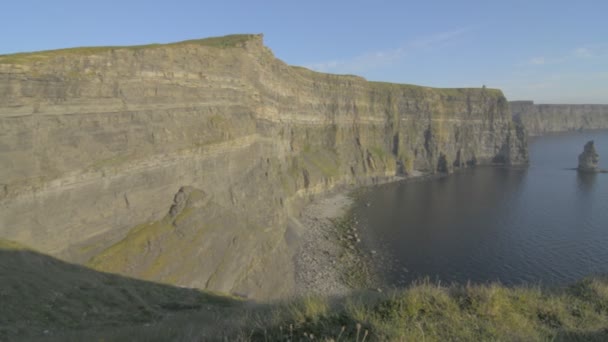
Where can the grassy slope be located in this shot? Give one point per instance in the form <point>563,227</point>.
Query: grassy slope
<point>423,312</point>
<point>428,312</point>
<point>72,303</point>
<point>39,293</point>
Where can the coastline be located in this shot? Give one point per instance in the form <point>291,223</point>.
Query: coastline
<point>318,256</point>
<point>328,259</point>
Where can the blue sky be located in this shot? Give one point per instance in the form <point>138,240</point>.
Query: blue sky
<point>548,51</point>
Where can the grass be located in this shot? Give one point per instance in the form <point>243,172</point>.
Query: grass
<point>430,312</point>
<point>11,245</point>
<point>317,163</point>
<point>176,249</point>
<point>32,57</point>
<point>133,251</point>
<point>43,296</point>
<point>407,159</point>
<point>382,156</point>
<point>133,245</point>
<point>422,312</point>
<point>324,161</point>
<point>448,93</point>
<point>46,299</point>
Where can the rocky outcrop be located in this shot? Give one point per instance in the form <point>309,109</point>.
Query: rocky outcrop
<point>540,119</point>
<point>96,142</point>
<point>589,159</point>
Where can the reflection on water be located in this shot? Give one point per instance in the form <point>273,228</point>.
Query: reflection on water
<point>546,223</point>
<point>586,181</point>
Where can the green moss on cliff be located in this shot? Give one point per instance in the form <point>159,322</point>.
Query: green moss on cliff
<point>118,256</point>
<point>141,242</point>
<point>408,161</point>
<point>11,245</point>
<point>325,161</point>
<point>379,152</point>
<point>310,166</point>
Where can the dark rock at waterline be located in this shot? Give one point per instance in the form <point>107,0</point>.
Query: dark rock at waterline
<point>589,159</point>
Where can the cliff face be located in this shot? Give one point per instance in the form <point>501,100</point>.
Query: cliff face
<point>96,142</point>
<point>550,118</point>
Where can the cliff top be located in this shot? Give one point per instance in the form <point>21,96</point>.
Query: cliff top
<point>235,40</point>
<point>224,42</point>
<point>444,91</point>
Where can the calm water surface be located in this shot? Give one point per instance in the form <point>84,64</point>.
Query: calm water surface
<point>542,224</point>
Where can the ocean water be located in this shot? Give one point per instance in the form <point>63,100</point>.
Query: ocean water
<point>542,224</point>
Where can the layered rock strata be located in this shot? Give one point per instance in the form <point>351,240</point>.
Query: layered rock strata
<point>540,119</point>
<point>96,142</point>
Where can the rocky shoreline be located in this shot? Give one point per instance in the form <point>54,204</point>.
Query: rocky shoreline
<point>319,259</point>
<point>328,258</point>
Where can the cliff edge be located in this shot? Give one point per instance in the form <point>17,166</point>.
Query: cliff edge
<point>96,143</point>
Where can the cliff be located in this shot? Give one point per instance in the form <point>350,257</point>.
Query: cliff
<point>96,143</point>
<point>551,118</point>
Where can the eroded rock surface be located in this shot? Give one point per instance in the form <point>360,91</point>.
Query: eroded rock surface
<point>95,143</point>
<point>589,159</point>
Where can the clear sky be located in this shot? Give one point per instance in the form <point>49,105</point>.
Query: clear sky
<point>547,51</point>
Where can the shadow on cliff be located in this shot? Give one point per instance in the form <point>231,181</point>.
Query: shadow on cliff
<point>42,297</point>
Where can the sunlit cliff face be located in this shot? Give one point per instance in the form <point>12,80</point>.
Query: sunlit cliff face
<point>96,143</point>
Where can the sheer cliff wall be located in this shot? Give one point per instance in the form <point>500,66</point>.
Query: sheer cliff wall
<point>551,118</point>
<point>95,144</point>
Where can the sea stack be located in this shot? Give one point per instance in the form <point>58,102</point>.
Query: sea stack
<point>589,159</point>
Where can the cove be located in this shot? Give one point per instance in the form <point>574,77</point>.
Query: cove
<point>544,224</point>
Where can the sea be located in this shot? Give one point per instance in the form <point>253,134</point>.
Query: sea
<point>542,224</point>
